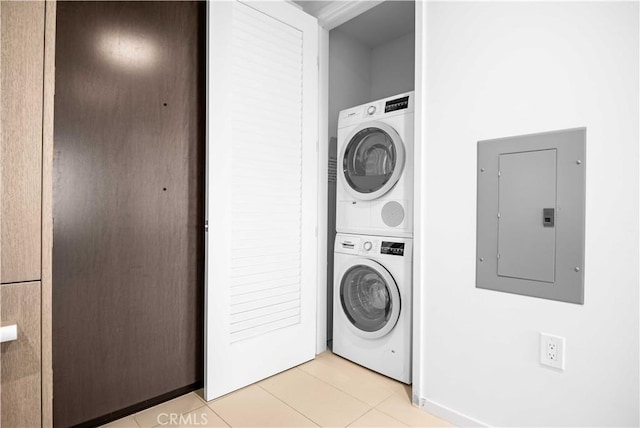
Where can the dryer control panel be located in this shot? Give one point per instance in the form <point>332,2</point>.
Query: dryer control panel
<point>392,106</point>
<point>397,104</point>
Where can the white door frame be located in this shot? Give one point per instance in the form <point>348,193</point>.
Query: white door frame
<point>336,13</point>
<point>323,187</point>
<point>419,203</point>
<point>330,17</point>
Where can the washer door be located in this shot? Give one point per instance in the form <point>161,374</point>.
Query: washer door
<point>372,160</point>
<point>370,299</point>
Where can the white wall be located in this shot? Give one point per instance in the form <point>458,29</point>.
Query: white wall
<point>511,68</point>
<point>349,75</point>
<point>359,74</point>
<point>393,67</point>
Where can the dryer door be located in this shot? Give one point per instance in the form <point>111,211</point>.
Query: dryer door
<point>369,298</point>
<point>372,160</point>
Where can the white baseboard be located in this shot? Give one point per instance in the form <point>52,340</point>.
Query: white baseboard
<point>454,417</point>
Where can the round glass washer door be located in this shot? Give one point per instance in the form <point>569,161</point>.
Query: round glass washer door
<point>369,298</point>
<point>372,160</point>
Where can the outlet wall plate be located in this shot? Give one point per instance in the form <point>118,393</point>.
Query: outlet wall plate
<point>552,351</point>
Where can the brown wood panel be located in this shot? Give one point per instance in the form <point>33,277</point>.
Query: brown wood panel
<point>47,209</point>
<point>21,145</point>
<point>21,358</point>
<point>0,209</point>
<point>128,204</point>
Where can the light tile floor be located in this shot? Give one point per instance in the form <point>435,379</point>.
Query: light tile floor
<point>328,391</point>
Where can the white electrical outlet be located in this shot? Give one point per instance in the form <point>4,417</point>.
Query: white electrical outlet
<point>552,351</point>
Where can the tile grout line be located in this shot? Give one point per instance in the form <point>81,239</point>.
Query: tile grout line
<point>393,417</point>
<point>346,392</point>
<point>198,395</point>
<point>339,389</point>
<point>287,404</point>
<point>332,386</point>
<point>206,404</point>
<point>349,362</point>
<point>361,416</point>
<point>216,413</point>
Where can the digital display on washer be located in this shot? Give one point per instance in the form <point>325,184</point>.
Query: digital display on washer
<point>397,104</point>
<point>392,248</point>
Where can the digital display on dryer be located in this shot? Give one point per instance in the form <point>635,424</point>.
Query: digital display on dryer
<point>398,104</point>
<point>392,248</point>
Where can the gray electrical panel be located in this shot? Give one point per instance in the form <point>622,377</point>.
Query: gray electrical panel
<point>530,219</point>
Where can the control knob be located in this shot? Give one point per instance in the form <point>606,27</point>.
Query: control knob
<point>371,110</point>
<point>367,246</point>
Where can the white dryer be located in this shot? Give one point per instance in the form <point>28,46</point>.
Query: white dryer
<point>372,303</point>
<point>375,168</point>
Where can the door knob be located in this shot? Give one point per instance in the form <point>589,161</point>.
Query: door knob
<point>8,333</point>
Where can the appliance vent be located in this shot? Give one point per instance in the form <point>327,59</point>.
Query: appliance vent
<point>332,170</point>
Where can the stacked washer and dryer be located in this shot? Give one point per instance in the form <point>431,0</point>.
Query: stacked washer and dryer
<point>373,247</point>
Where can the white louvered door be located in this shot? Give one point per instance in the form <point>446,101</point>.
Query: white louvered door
<point>261,244</point>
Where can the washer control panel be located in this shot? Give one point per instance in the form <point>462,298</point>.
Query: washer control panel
<point>370,246</point>
<point>392,248</point>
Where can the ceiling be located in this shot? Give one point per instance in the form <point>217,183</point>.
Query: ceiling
<point>313,7</point>
<point>387,21</point>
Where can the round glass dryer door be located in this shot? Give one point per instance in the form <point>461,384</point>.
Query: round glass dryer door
<point>370,299</point>
<point>372,160</point>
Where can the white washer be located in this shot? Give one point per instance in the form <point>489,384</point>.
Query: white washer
<point>372,303</point>
<point>375,168</point>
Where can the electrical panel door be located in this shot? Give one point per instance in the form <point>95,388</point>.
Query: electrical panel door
<point>527,187</point>
<point>530,215</point>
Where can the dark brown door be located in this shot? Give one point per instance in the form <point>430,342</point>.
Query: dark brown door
<point>128,206</point>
